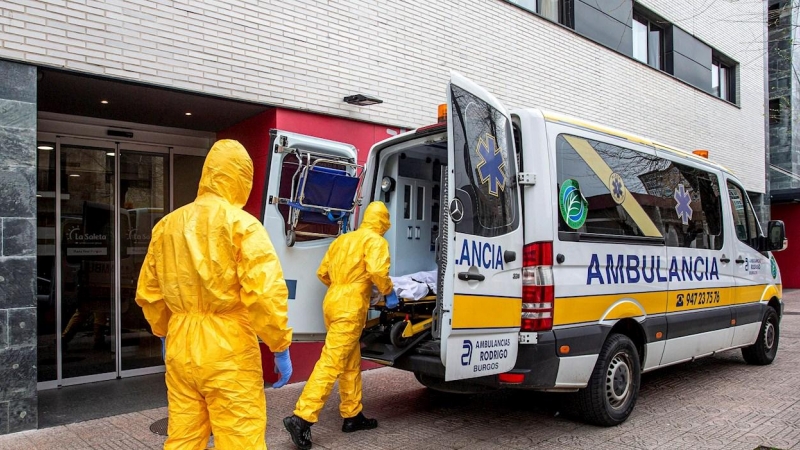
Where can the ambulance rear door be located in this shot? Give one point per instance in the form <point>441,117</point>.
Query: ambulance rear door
<point>300,255</point>
<point>481,301</point>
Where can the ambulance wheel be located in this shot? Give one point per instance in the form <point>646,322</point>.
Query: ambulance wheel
<point>290,238</point>
<point>396,335</point>
<point>611,393</point>
<point>766,347</point>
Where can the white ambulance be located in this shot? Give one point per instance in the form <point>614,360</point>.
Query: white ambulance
<point>568,256</point>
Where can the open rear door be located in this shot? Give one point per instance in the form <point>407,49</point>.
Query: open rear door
<point>482,290</point>
<point>301,247</point>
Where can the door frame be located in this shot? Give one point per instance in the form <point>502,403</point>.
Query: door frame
<point>93,138</point>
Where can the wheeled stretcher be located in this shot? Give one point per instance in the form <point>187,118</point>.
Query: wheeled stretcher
<point>324,191</point>
<point>403,325</point>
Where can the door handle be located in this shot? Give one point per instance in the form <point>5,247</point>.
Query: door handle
<point>724,259</point>
<point>469,276</point>
<point>416,233</point>
<point>408,233</point>
<point>739,260</point>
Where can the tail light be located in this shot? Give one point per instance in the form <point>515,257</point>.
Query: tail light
<point>537,287</point>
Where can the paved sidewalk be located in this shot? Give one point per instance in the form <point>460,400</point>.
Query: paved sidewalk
<point>715,403</point>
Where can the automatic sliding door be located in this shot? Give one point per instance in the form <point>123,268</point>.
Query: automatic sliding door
<point>87,265</point>
<point>144,192</point>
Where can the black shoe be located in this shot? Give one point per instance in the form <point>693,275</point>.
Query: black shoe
<point>357,423</point>
<point>300,430</point>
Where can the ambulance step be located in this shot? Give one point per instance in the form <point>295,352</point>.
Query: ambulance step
<point>379,351</point>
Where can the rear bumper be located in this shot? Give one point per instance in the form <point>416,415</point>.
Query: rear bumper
<point>537,362</point>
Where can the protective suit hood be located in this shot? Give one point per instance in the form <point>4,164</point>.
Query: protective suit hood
<point>227,173</point>
<point>376,218</point>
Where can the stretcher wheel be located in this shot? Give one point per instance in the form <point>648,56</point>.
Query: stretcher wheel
<point>396,335</point>
<point>290,238</point>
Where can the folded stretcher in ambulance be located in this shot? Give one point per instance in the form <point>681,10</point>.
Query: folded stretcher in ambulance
<point>324,191</point>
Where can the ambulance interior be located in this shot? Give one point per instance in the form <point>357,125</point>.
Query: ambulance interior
<point>414,205</point>
<point>409,179</point>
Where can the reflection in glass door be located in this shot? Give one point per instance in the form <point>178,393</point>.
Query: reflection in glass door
<point>87,266</point>
<point>98,202</point>
<point>46,230</point>
<point>144,194</point>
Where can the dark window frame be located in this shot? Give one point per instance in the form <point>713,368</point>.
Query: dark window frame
<point>718,63</point>
<point>652,24</point>
<point>563,17</point>
<point>775,111</point>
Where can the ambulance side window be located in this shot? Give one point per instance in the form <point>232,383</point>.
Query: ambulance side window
<point>485,169</point>
<point>691,208</point>
<point>614,184</point>
<point>630,193</point>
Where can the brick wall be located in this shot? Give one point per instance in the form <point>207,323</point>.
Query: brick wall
<point>18,401</point>
<point>307,54</point>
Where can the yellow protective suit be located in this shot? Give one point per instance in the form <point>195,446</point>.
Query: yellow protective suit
<point>210,283</point>
<point>353,263</point>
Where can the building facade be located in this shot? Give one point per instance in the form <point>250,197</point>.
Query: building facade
<point>784,131</point>
<point>106,110</point>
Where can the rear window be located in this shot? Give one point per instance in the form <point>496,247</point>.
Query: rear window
<point>484,174</point>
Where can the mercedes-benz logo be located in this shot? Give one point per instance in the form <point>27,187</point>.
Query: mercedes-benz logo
<point>456,210</point>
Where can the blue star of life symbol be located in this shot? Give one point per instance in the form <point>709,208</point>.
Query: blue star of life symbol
<point>492,168</point>
<point>683,208</point>
<point>617,188</point>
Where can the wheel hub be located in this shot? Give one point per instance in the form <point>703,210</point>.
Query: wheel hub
<point>618,380</point>
<point>769,336</point>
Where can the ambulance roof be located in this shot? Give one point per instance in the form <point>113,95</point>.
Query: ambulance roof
<point>558,117</point>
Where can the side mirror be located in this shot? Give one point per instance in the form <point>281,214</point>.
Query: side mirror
<point>776,236</point>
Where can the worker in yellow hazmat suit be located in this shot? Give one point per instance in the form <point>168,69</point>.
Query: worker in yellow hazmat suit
<point>211,283</point>
<point>353,263</point>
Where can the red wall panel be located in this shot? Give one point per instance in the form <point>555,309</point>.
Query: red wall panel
<point>789,213</point>
<point>253,133</point>
<point>360,134</point>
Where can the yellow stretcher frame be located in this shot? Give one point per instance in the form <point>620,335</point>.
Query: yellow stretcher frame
<point>411,324</point>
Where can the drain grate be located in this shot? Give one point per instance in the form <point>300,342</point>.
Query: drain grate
<point>159,427</point>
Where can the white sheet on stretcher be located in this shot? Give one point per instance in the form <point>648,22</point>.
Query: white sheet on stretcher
<point>410,287</point>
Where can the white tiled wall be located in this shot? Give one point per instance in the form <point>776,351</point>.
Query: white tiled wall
<point>308,54</point>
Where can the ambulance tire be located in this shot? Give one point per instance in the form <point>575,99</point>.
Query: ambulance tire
<point>765,349</point>
<point>611,393</point>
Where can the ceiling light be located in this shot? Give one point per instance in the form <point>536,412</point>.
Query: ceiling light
<point>105,102</point>
<point>362,100</point>
<point>188,114</point>
<point>45,147</point>
<point>110,154</point>
<point>74,175</point>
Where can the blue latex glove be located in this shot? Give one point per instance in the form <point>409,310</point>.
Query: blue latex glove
<point>284,365</point>
<point>392,301</point>
<point>164,348</point>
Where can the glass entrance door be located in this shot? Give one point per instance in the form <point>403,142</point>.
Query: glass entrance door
<point>144,193</point>
<point>87,278</point>
<point>98,203</point>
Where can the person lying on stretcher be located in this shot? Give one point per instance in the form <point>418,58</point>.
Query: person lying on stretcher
<point>411,287</point>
